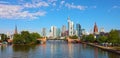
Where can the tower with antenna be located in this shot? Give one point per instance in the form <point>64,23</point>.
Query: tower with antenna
<point>15,32</point>
<point>70,27</point>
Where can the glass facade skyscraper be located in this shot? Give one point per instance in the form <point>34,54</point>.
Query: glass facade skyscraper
<point>79,31</point>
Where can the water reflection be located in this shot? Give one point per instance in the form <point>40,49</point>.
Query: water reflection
<point>70,50</point>
<point>54,49</point>
<point>23,48</point>
<point>113,55</point>
<point>3,48</point>
<point>95,52</point>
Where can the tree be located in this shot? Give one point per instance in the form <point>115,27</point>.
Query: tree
<point>90,38</point>
<point>25,38</point>
<point>114,37</point>
<point>3,37</point>
<point>102,39</point>
<point>35,36</point>
<point>17,39</point>
<point>83,38</point>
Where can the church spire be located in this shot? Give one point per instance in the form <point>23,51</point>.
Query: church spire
<point>95,28</point>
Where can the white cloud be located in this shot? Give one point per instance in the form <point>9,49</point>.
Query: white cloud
<point>38,4</point>
<point>52,1</point>
<point>17,12</point>
<point>113,7</point>
<point>75,6</point>
<point>62,2</point>
<point>22,10</point>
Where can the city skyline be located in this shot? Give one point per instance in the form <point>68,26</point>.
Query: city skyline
<point>34,15</point>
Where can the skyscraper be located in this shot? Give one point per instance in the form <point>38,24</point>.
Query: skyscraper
<point>75,32</point>
<point>63,33</point>
<point>53,31</point>
<point>70,27</point>
<point>63,28</point>
<point>58,33</point>
<point>95,31</point>
<point>43,32</point>
<point>79,31</point>
<point>15,32</point>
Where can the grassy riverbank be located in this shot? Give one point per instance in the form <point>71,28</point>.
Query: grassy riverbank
<point>110,49</point>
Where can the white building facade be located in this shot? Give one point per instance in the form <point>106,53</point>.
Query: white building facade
<point>70,27</point>
<point>53,31</point>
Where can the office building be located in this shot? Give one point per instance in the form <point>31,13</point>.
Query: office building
<point>53,32</point>
<point>43,32</point>
<point>78,29</point>
<point>70,27</point>
<point>63,32</point>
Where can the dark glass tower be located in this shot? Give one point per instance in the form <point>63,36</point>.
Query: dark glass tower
<point>79,31</point>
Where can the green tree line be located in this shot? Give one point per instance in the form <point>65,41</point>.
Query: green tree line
<point>25,38</point>
<point>113,37</point>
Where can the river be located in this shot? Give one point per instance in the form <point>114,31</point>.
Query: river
<point>54,49</point>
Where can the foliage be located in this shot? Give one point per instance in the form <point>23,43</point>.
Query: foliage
<point>3,37</point>
<point>91,38</point>
<point>83,38</point>
<point>35,36</point>
<point>25,38</point>
<point>74,37</point>
<point>114,37</point>
<point>17,39</point>
<point>102,39</point>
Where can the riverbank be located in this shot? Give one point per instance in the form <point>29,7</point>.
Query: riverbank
<point>110,49</point>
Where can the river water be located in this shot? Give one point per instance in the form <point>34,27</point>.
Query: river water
<point>54,49</point>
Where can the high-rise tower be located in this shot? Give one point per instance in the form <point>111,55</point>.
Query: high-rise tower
<point>78,28</point>
<point>70,27</point>
<point>43,32</point>
<point>53,31</point>
<point>63,32</point>
<point>15,30</point>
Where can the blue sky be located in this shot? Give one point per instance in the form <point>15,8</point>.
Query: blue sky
<point>33,15</point>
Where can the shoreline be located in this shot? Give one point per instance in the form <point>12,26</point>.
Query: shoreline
<point>109,49</point>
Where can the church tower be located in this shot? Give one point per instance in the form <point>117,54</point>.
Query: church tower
<point>95,31</point>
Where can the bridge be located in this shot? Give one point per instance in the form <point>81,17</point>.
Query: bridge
<point>44,39</point>
<point>73,40</point>
<point>56,39</point>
